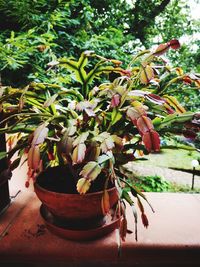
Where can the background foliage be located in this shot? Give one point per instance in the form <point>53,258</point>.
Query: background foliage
<point>33,33</point>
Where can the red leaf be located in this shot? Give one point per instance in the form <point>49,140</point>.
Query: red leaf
<point>174,44</point>
<point>144,124</point>
<point>115,101</point>
<point>151,141</point>
<point>105,202</point>
<point>144,220</point>
<point>161,49</point>
<point>187,80</point>
<point>155,99</point>
<point>34,157</point>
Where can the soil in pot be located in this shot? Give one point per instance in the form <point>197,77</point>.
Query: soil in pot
<point>61,180</point>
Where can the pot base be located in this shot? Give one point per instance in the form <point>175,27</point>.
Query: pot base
<point>64,229</point>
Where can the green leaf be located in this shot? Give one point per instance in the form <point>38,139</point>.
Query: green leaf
<point>3,155</point>
<point>115,116</point>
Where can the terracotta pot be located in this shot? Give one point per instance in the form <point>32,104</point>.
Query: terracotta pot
<point>74,206</point>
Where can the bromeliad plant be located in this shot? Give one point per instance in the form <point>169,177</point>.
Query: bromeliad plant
<point>95,124</point>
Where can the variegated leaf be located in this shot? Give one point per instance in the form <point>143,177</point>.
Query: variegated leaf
<point>83,185</point>
<point>91,170</point>
<point>50,101</point>
<point>40,134</point>
<point>81,139</point>
<point>173,102</point>
<point>78,154</point>
<point>146,74</point>
<point>115,101</point>
<point>135,113</point>
<point>66,144</point>
<point>107,144</point>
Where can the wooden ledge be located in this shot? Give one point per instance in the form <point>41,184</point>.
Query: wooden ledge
<point>172,238</point>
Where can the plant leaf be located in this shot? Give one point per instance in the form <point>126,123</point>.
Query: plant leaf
<point>173,102</point>
<point>50,101</point>
<point>115,116</point>
<point>105,202</point>
<point>83,185</point>
<point>3,155</point>
<point>151,140</point>
<point>161,49</point>
<point>91,170</point>
<point>144,124</point>
<point>40,134</point>
<point>80,139</point>
<point>146,74</point>
<point>78,154</point>
<point>115,101</point>
<point>34,157</point>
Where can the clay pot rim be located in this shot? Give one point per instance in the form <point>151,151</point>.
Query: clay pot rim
<point>37,186</point>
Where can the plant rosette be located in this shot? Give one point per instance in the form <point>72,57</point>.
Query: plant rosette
<point>95,124</point>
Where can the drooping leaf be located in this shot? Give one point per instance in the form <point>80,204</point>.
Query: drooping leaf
<point>78,154</point>
<point>40,134</point>
<point>83,185</point>
<point>105,202</point>
<point>151,140</point>
<point>146,74</point>
<point>123,228</point>
<point>34,157</point>
<point>91,170</point>
<point>144,124</point>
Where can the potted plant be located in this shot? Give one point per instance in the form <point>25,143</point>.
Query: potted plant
<point>77,137</point>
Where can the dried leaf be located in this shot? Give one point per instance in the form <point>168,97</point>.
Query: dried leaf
<point>83,185</point>
<point>105,202</point>
<point>145,220</point>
